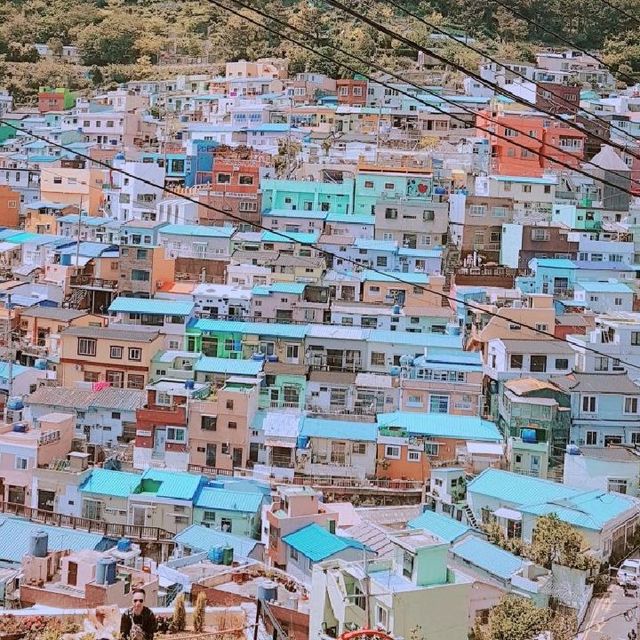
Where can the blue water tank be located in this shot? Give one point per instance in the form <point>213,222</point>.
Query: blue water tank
<point>395,310</point>
<point>189,385</point>
<point>124,545</point>
<point>39,544</point>
<point>302,442</point>
<point>394,371</point>
<point>15,404</point>
<point>106,571</point>
<point>273,358</point>
<point>529,436</point>
<point>41,364</point>
<point>573,450</point>
<point>268,591</point>
<point>216,555</point>
<point>258,356</point>
<point>19,427</point>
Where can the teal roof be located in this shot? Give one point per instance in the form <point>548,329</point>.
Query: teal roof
<point>225,500</point>
<point>376,245</point>
<point>173,484</point>
<point>296,288</point>
<point>295,213</point>
<point>197,230</point>
<point>555,263</point>
<point>118,484</point>
<point>399,277</point>
<point>200,538</point>
<point>290,236</point>
<point>252,328</point>
<point>339,429</point>
<point>317,544</point>
<point>15,538</point>
<point>228,366</point>
<point>151,306</point>
<point>487,556</point>
<point>442,425</point>
<point>417,340</point>
<point>16,370</point>
<point>351,218</point>
<point>442,526</point>
<point>421,253</point>
<point>604,287</point>
<point>89,221</point>
<point>525,179</point>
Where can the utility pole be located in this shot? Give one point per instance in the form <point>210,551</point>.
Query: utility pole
<point>9,340</point>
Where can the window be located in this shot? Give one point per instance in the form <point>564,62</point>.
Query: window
<point>229,405</point>
<point>141,254</point>
<point>87,346</point>
<point>601,364</point>
<point>635,437</point>
<point>135,381</point>
<point>381,261</point>
<point>232,425</point>
<point>392,452</point>
<point>515,362</point>
<point>116,415</point>
<point>135,354</point>
<point>510,133</point>
<point>631,405</point>
<point>431,448</point>
<point>538,364</point>
<point>224,178</point>
<point>413,456</point>
<point>617,302</point>
<point>245,180</point>
<point>359,448</point>
<point>292,352</point>
<point>208,423</point>
<point>407,564</point>
<point>389,185</point>
<point>22,463</point>
<point>368,184</point>
<point>116,352</point>
<point>617,485</point>
<point>382,617</point>
<point>391,214</point>
<point>377,359</point>
<point>140,275</point>
<point>635,338</point>
<point>115,378</point>
<point>589,404</point>
<point>176,434</point>
<point>439,404</point>
<point>293,554</point>
<point>562,363</point>
<point>542,327</point>
<point>591,438</point>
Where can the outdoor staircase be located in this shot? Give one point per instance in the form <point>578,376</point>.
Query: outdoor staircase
<point>76,298</point>
<point>471,519</point>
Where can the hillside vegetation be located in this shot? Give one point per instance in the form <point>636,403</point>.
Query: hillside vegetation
<point>123,39</point>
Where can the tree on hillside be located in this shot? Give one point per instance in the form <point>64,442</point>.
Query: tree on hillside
<point>514,618</point>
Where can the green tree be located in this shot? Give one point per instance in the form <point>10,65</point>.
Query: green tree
<point>113,41</point>
<point>557,541</point>
<point>515,618</point>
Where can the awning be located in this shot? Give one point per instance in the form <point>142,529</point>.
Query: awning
<point>507,514</point>
<point>273,442</point>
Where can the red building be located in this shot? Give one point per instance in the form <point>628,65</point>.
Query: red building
<point>538,135</point>
<point>235,185</point>
<point>352,92</point>
<point>558,98</point>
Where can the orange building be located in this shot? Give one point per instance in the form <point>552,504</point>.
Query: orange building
<point>352,92</point>
<point>538,135</point>
<point>9,207</point>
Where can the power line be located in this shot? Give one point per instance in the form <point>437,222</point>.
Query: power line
<point>437,29</point>
<point>385,274</point>
<point>377,67</point>
<point>621,11</point>
<point>631,80</point>
<point>461,68</point>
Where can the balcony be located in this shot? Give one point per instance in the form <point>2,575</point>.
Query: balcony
<point>88,282</point>
<point>48,437</point>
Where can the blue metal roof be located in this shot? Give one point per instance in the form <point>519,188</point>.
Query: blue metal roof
<point>442,425</point>
<point>226,500</point>
<point>290,237</point>
<point>399,277</point>
<point>295,213</point>
<point>200,538</point>
<point>295,288</point>
<point>555,263</point>
<point>317,544</point>
<point>197,231</point>
<point>16,370</point>
<point>351,218</point>
<point>151,306</point>
<point>15,537</point>
<point>180,486</point>
<point>376,245</point>
<point>421,253</point>
<point>339,429</point>
<point>252,328</point>
<point>227,366</point>
<point>118,484</point>
<point>487,556</point>
<point>417,340</point>
<point>442,526</point>
<point>604,287</point>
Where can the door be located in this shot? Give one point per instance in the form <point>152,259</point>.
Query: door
<point>535,464</point>
<point>159,440</point>
<point>139,516</point>
<point>72,574</point>
<point>237,457</point>
<point>210,346</point>
<point>46,500</point>
<point>210,455</point>
<point>254,448</point>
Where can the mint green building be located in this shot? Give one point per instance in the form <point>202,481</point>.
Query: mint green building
<point>229,511</point>
<point>409,187</point>
<point>307,195</point>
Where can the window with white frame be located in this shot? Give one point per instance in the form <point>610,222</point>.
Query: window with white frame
<point>116,352</point>
<point>618,485</point>
<point>414,456</point>
<point>392,452</point>
<point>135,354</point>
<point>382,617</point>
<point>163,399</point>
<point>176,434</point>
<point>438,404</point>
<point>431,448</point>
<point>591,438</point>
<point>22,463</point>
<point>631,405</point>
<point>589,404</point>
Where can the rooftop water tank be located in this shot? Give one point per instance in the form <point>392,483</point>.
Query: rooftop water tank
<point>19,427</point>
<point>124,545</point>
<point>39,544</point>
<point>215,555</point>
<point>106,571</point>
<point>394,371</point>
<point>189,385</point>
<point>395,310</point>
<point>41,364</point>
<point>268,591</point>
<point>257,356</point>
<point>529,436</point>
<point>227,555</point>
<point>15,404</point>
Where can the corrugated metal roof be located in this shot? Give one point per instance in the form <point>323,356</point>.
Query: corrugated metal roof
<point>376,245</point>
<point>296,288</point>
<point>225,500</point>
<point>180,486</point>
<point>339,429</point>
<point>291,236</point>
<point>252,328</point>
<point>316,543</point>
<point>487,556</point>
<point>442,425</point>
<point>604,287</point>
<point>151,306</point>
<point>351,218</point>
<point>197,231</point>
<point>442,526</point>
<point>115,332</point>
<point>15,536</point>
<point>109,398</point>
<point>119,484</point>
<point>228,366</point>
<point>200,538</point>
<point>295,213</point>
<point>417,339</point>
<point>400,278</point>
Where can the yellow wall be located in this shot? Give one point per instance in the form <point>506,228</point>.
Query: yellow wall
<point>77,185</point>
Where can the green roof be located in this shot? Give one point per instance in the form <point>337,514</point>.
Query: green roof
<point>340,429</point>
<point>225,500</point>
<point>442,425</point>
<point>151,306</point>
<point>442,526</point>
<point>317,544</point>
<point>227,366</point>
<point>117,484</point>
<point>487,556</point>
<point>171,484</point>
<point>197,231</point>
